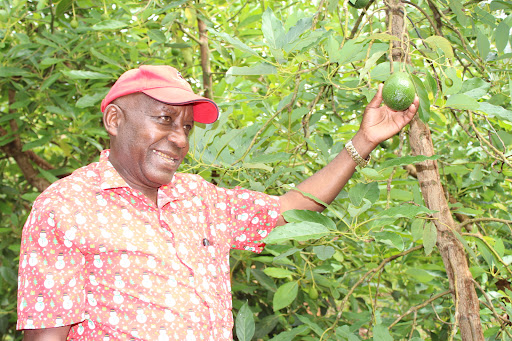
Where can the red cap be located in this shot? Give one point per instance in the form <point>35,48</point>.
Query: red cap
<point>165,84</point>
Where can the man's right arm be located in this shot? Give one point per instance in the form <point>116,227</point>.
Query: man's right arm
<point>46,334</point>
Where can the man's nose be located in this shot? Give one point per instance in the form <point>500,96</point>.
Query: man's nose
<point>179,137</point>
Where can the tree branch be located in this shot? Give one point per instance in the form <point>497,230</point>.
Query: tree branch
<point>418,307</point>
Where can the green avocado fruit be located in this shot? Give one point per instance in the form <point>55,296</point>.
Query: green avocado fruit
<point>398,92</point>
<point>74,23</point>
<point>359,3</point>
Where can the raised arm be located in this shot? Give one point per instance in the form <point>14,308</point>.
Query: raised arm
<point>379,124</point>
<point>46,334</point>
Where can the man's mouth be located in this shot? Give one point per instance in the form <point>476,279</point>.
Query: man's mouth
<point>165,157</point>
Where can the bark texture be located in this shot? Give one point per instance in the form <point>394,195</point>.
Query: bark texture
<point>450,248</point>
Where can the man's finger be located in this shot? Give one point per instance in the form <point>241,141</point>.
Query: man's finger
<point>377,99</point>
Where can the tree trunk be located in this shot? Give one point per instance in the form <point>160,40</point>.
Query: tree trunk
<point>450,248</point>
<point>205,59</point>
<point>23,159</point>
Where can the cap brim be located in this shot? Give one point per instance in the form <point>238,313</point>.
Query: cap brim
<point>205,110</point>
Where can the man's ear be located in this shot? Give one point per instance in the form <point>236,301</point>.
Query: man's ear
<point>112,117</point>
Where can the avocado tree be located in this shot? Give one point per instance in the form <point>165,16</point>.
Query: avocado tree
<point>416,247</point>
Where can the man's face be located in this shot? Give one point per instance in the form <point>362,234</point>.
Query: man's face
<point>151,141</point>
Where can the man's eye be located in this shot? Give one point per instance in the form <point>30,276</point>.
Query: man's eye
<point>165,119</point>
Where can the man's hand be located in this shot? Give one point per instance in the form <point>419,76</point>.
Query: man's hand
<point>380,122</point>
<point>46,334</point>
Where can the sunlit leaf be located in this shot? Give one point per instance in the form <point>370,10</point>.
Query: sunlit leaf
<point>301,231</point>
<point>285,295</point>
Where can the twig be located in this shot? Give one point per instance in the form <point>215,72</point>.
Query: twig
<point>481,138</point>
<point>491,307</point>
<point>418,307</point>
<point>258,133</point>
<point>317,14</point>
<point>477,220</point>
<point>482,239</point>
<point>363,278</point>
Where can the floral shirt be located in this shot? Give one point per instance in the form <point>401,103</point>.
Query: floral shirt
<point>98,255</point>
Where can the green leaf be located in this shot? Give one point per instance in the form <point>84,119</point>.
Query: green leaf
<point>441,43</point>
<point>235,42</point>
<point>501,35</point>
<point>297,216</point>
<point>417,229</point>
<point>291,334</point>
<point>463,102</point>
<point>264,280</point>
<point>429,237</point>
<point>381,333</point>
<point>362,191</point>
<point>109,25</point>
<point>350,49</point>
<point>49,81</point>
<point>495,110</point>
<point>314,326</point>
<point>255,70</point>
<point>424,109</point>
<point>277,272</point>
<point>245,326</point>
<point>469,211</point>
<point>171,16</point>
<point>475,87</point>
<point>370,63</point>
<point>51,61</point>
<point>90,100</point>
<point>8,274</point>
<point>9,71</point>
<point>451,73</point>
<point>407,160</point>
<point>37,143</point>
<point>323,252</point>
<point>79,74</point>
<point>483,44</point>
<point>333,48</point>
<point>420,275</point>
<point>30,196</point>
<point>406,211</point>
<point>157,36</point>
<point>390,238</point>
<point>259,165</point>
<point>458,9</point>
<point>296,231</point>
<point>299,28</point>
<point>272,29</point>
<point>285,295</point>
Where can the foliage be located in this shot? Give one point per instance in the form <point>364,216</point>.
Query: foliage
<point>291,79</point>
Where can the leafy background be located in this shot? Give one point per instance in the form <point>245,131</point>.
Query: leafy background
<point>292,79</point>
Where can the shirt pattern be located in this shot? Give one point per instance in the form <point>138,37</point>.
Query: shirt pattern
<point>98,255</point>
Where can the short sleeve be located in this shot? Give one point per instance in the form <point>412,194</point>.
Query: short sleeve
<point>254,215</point>
<point>50,280</point>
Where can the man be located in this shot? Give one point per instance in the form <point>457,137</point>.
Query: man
<point>128,249</point>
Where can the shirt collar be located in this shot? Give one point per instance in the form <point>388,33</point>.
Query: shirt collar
<point>110,179</point>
